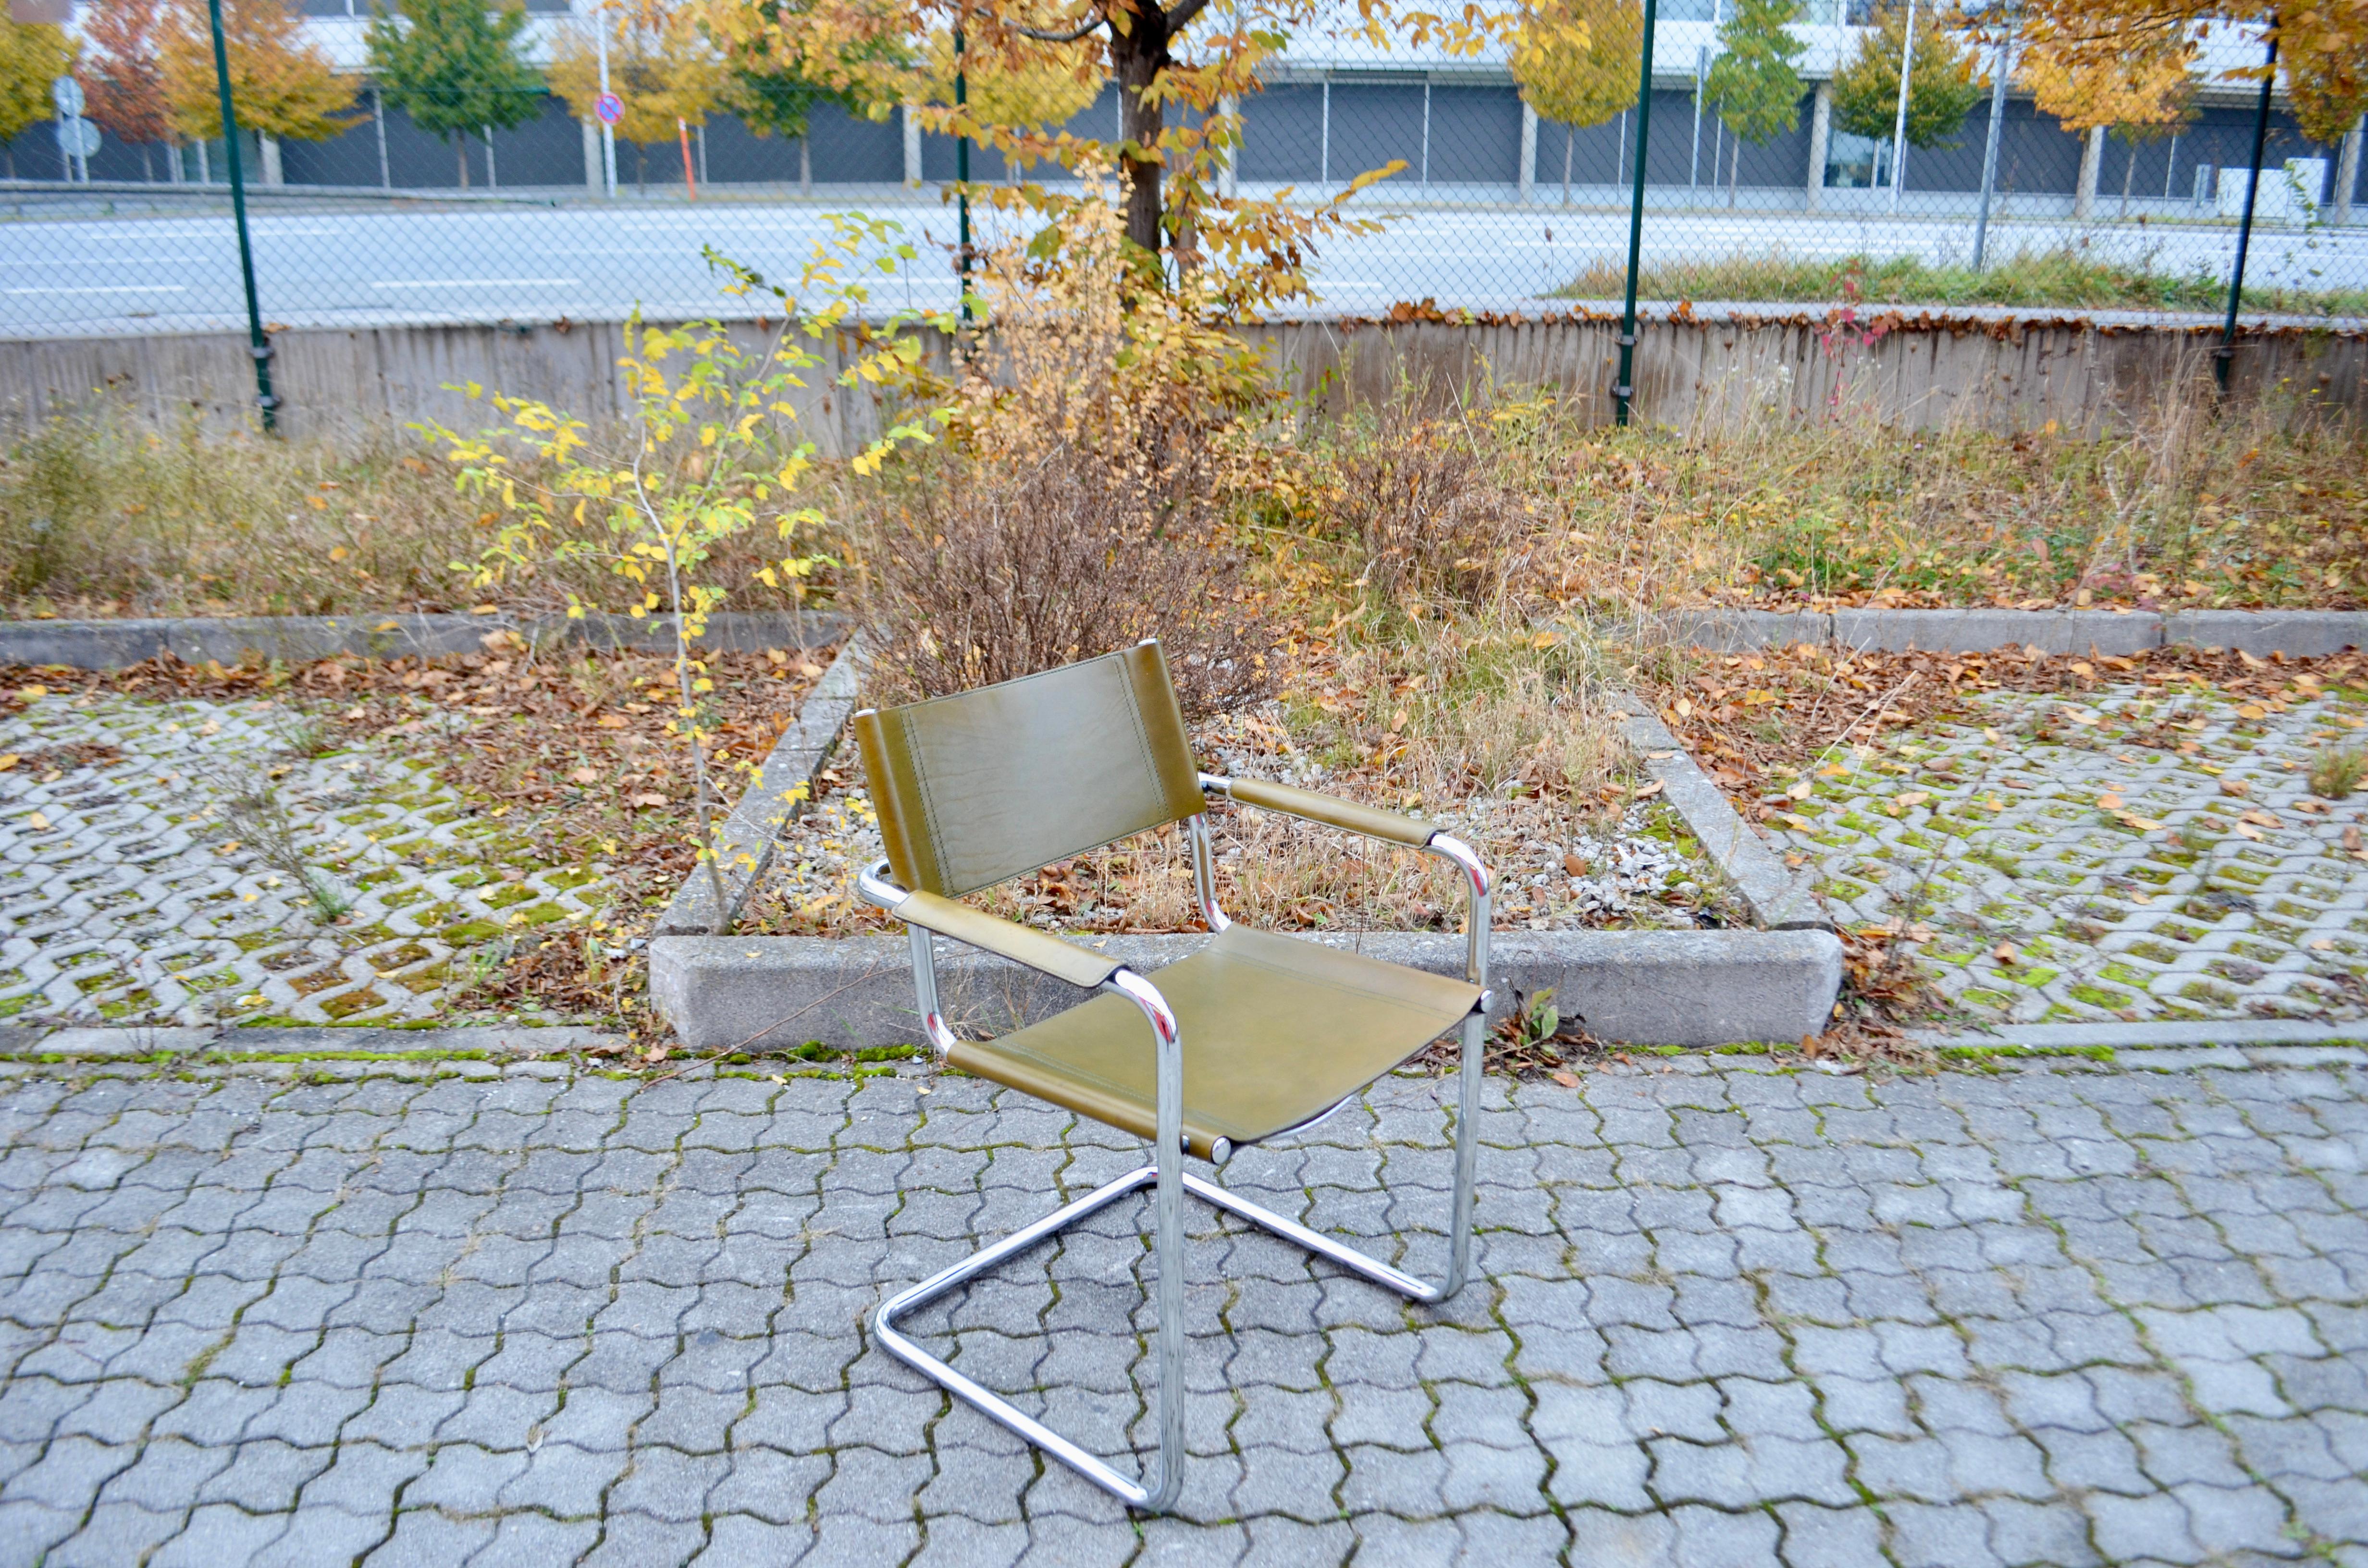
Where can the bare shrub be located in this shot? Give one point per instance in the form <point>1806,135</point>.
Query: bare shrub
<point>1004,572</point>
<point>1430,514</point>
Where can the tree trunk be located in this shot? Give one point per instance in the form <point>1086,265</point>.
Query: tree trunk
<point>2129,173</point>
<point>1139,54</point>
<point>1569,137</point>
<point>805,166</point>
<point>460,152</point>
<point>1733,169</point>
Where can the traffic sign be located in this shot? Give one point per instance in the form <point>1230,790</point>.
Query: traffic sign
<point>610,108</point>
<point>77,138</point>
<point>66,93</point>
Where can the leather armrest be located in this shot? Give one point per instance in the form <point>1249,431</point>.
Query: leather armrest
<point>1388,826</point>
<point>1062,961</point>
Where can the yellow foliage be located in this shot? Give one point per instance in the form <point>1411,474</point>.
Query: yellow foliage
<point>1575,61</point>
<point>2144,87</point>
<point>660,63</point>
<point>32,55</point>
<point>280,85</point>
<point>1044,89</point>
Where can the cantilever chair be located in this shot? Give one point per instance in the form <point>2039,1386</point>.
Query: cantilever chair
<point>1254,1036</point>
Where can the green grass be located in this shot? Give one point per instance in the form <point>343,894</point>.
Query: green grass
<point>2062,280</point>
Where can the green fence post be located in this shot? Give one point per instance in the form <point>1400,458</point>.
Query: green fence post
<point>2245,226</point>
<point>258,343</point>
<point>1625,388</point>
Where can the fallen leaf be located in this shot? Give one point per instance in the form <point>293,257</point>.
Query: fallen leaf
<point>2144,825</point>
<point>1911,797</point>
<point>30,692</point>
<point>1649,791</point>
<point>2252,710</point>
<point>1685,709</point>
<point>1574,864</point>
<point>2108,801</point>
<point>2247,830</point>
<point>2261,819</point>
<point>1569,1080</point>
<point>9,761</point>
<point>585,775</point>
<point>2324,945</point>
<point>1397,721</point>
<point>2235,786</point>
<point>2083,669</point>
<point>2004,952</point>
<point>2352,836</point>
<point>1801,790</point>
<point>647,799</point>
<point>40,822</point>
<point>613,721</point>
<point>485,609</point>
<point>2086,719</point>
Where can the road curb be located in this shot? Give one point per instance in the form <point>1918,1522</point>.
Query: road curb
<point>300,639</point>
<point>2296,633</point>
<point>2165,1034</point>
<point>784,790</point>
<point>1636,987</point>
<point>1778,900</point>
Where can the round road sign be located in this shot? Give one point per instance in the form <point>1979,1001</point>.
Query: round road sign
<point>610,108</point>
<point>77,138</point>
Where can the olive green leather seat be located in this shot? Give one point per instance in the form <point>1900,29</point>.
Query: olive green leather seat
<point>1254,1035</point>
<point>1277,1031</point>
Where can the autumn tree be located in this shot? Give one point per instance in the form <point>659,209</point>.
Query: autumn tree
<point>1752,81</point>
<point>1044,91</point>
<point>1576,63</point>
<point>661,63</point>
<point>1175,93</point>
<point>1943,81</point>
<point>2143,90</point>
<point>122,80</point>
<point>32,55</point>
<point>280,85</point>
<point>454,67</point>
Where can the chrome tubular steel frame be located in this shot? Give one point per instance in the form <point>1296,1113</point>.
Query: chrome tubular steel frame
<point>1163,1479</point>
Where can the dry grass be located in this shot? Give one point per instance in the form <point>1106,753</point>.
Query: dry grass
<point>102,514</point>
<point>2063,278</point>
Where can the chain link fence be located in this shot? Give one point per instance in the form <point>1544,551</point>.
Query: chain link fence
<point>1495,208</point>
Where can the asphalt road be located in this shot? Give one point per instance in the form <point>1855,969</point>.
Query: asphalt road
<point>92,274</point>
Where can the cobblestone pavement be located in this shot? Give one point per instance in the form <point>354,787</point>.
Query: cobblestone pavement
<point>2056,1314</point>
<point>2155,852</point>
<point>133,889</point>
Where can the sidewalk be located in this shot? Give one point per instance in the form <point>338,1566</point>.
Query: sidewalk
<point>2060,1313</point>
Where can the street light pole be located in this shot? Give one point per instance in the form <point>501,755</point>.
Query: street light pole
<point>2245,226</point>
<point>266,406</point>
<point>1991,148</point>
<point>1623,390</point>
<point>1899,127</point>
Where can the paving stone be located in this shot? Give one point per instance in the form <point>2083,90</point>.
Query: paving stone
<point>1665,1394</point>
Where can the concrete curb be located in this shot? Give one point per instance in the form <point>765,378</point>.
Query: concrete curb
<point>1637,987</point>
<point>1779,901</point>
<point>784,789</point>
<point>2297,633</point>
<point>491,1041</point>
<point>298,638</point>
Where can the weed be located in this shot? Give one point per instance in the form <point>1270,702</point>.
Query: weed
<point>2336,772</point>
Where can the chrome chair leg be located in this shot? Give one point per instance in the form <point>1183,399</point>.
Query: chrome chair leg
<point>1160,1484</point>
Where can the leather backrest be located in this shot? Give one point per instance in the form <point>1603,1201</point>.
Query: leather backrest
<point>983,786</point>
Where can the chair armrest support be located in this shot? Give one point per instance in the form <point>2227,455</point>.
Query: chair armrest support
<point>1082,968</point>
<point>1331,811</point>
<point>1391,828</point>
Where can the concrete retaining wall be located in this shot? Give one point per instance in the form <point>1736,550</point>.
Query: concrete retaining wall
<point>1697,368</point>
